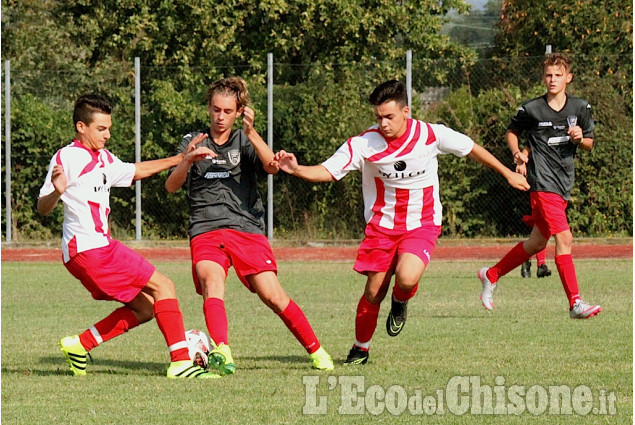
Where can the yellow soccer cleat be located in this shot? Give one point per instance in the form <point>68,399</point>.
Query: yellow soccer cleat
<point>75,353</point>
<point>321,360</point>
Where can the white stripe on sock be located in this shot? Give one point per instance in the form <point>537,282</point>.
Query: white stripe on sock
<point>93,330</point>
<point>365,345</point>
<point>177,346</point>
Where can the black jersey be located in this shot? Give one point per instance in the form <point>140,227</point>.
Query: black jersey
<point>222,192</point>
<point>550,167</point>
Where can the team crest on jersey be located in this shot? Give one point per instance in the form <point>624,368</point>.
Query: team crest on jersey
<point>400,165</point>
<point>234,156</point>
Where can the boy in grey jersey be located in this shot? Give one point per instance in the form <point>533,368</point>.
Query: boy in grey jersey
<point>226,221</point>
<point>555,125</point>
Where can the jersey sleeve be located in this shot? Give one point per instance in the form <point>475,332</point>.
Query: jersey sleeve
<point>48,188</point>
<point>121,173</point>
<point>586,121</point>
<point>521,121</point>
<point>345,159</point>
<point>451,141</point>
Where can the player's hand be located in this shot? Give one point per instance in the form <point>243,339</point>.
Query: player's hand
<point>576,134</point>
<point>520,158</point>
<point>248,119</point>
<point>286,161</point>
<point>199,154</point>
<point>518,181</point>
<point>58,178</point>
<point>522,169</point>
<point>194,153</point>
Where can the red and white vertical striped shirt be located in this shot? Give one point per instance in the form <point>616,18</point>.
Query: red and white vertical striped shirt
<point>399,177</point>
<point>89,175</point>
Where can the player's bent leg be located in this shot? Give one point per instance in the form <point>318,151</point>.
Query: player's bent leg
<point>142,307</point>
<point>160,287</point>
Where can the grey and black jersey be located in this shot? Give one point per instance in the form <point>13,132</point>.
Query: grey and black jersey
<point>222,192</point>
<point>551,166</point>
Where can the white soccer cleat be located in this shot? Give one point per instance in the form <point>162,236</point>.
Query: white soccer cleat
<point>582,310</point>
<point>487,296</point>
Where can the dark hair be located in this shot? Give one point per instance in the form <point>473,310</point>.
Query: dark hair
<point>232,86</point>
<point>89,104</point>
<point>390,90</point>
<point>557,59</point>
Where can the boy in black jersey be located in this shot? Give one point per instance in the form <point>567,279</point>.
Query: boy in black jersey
<point>555,126</point>
<point>227,221</point>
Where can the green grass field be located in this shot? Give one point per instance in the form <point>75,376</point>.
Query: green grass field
<point>529,340</point>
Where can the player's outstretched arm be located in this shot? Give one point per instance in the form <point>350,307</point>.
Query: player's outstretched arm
<point>515,180</point>
<point>288,163</point>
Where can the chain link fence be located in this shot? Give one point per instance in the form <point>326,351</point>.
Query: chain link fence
<point>316,109</point>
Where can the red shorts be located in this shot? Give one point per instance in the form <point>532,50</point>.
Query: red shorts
<point>379,251</point>
<point>249,253</point>
<point>113,272</point>
<point>548,213</point>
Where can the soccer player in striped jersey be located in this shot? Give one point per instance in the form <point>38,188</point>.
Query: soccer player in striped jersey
<point>81,175</point>
<point>398,161</point>
<point>555,125</point>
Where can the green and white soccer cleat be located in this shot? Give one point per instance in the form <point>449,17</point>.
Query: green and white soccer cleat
<point>321,360</point>
<point>75,353</point>
<point>185,369</point>
<point>220,358</point>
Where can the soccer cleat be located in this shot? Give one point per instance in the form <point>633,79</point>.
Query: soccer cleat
<point>396,317</point>
<point>525,269</point>
<point>321,360</point>
<point>356,356</point>
<point>185,369</point>
<point>487,296</point>
<point>543,271</point>
<point>75,353</point>
<point>582,310</point>
<point>220,358</point>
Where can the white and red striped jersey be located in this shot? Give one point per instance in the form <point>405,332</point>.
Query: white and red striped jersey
<point>399,177</point>
<point>89,175</point>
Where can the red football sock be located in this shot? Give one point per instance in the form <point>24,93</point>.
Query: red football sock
<point>514,258</point>
<point>365,320</point>
<point>216,320</point>
<point>170,321</point>
<point>116,323</point>
<point>296,321</point>
<point>541,257</point>
<point>566,270</point>
<point>403,296</point>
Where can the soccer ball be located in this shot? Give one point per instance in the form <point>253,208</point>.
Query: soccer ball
<point>199,345</point>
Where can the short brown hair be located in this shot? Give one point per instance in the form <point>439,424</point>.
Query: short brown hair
<point>390,90</point>
<point>89,104</point>
<point>231,86</point>
<point>557,59</point>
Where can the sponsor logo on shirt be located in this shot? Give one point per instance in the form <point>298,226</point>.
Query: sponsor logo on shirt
<point>101,189</point>
<point>219,175</point>
<point>400,165</point>
<point>401,175</point>
<point>219,161</point>
<point>553,141</point>
<point>545,124</point>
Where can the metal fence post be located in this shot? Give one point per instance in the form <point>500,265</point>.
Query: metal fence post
<point>270,143</point>
<point>409,80</point>
<point>137,140</point>
<point>7,147</point>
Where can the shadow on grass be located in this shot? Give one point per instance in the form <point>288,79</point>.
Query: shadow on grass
<point>263,362</point>
<point>99,366</point>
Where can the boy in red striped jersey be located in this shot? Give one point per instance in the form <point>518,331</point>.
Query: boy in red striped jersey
<point>398,161</point>
<point>81,175</point>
